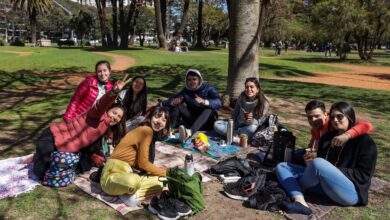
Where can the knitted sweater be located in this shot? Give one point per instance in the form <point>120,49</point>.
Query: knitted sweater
<point>84,97</point>
<point>134,149</point>
<point>243,106</point>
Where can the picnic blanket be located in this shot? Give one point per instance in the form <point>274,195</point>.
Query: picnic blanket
<point>16,177</point>
<point>321,206</point>
<point>166,155</point>
<point>215,150</point>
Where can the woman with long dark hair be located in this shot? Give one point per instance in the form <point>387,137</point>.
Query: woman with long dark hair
<point>250,111</point>
<point>343,174</point>
<point>135,101</point>
<point>130,170</point>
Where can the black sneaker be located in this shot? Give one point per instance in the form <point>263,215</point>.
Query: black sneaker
<point>181,208</point>
<point>163,209</point>
<point>245,187</point>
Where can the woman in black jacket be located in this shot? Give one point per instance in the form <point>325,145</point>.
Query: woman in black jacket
<point>341,173</point>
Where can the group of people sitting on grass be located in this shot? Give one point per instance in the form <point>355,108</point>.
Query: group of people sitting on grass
<point>102,112</point>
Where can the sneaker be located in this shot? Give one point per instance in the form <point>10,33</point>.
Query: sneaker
<point>163,209</point>
<point>181,208</point>
<point>184,133</point>
<point>244,188</point>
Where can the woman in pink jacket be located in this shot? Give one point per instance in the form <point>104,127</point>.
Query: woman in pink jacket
<point>90,89</point>
<point>80,132</point>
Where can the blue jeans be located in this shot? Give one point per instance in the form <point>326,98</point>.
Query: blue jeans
<point>220,127</point>
<point>319,177</point>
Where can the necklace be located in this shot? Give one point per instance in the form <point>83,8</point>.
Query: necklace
<point>338,156</point>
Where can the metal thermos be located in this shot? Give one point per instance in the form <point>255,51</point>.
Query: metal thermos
<point>288,153</point>
<point>189,165</point>
<point>229,133</point>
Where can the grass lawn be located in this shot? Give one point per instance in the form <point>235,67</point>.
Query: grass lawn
<point>34,100</point>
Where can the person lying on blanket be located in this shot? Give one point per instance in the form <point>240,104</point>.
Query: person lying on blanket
<point>250,111</point>
<point>130,169</point>
<point>343,174</point>
<point>318,119</point>
<point>80,132</point>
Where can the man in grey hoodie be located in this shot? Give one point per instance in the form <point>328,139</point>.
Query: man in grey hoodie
<point>196,105</point>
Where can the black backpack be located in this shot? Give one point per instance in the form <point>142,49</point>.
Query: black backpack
<point>282,139</point>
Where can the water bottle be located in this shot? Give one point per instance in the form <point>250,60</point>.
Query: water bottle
<point>229,133</point>
<point>288,153</point>
<point>189,165</point>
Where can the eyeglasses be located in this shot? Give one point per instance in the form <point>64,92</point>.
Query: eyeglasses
<point>339,117</point>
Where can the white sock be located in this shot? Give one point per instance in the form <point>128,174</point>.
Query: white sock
<point>130,200</point>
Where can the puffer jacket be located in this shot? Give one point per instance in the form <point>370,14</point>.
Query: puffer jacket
<point>84,97</point>
<point>85,129</point>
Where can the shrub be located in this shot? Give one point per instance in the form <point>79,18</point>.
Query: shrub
<point>2,43</point>
<point>17,42</point>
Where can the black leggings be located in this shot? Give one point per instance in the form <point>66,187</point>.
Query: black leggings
<point>42,157</point>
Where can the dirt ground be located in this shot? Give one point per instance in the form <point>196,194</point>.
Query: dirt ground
<point>366,77</point>
<point>218,205</point>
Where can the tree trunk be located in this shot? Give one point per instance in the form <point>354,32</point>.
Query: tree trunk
<point>200,25</point>
<point>33,23</point>
<point>163,6</point>
<point>159,25</point>
<point>183,23</point>
<point>122,27</point>
<point>114,23</point>
<point>133,27</point>
<point>100,5</point>
<point>243,47</point>
<point>263,14</point>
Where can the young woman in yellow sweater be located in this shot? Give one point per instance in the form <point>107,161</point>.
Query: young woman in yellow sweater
<point>130,170</point>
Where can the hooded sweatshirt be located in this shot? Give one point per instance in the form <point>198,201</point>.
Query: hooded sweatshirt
<point>204,90</point>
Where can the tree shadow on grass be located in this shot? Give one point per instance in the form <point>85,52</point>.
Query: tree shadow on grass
<point>283,71</point>
<point>372,100</point>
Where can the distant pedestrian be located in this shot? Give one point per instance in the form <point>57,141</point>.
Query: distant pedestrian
<point>328,49</point>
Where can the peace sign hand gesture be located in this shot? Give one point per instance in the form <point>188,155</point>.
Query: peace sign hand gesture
<point>120,84</point>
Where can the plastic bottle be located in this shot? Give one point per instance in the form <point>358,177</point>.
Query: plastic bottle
<point>229,133</point>
<point>189,165</point>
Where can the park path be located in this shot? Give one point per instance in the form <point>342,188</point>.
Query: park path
<point>357,76</point>
<point>120,62</point>
<point>19,53</point>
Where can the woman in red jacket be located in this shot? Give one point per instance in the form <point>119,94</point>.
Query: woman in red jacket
<point>80,132</point>
<point>90,89</point>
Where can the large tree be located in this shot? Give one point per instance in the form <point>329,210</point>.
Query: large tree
<point>243,46</point>
<point>82,24</point>
<point>104,28</point>
<point>33,8</point>
<point>183,22</point>
<point>159,24</point>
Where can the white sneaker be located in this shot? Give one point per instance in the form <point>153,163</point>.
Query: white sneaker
<point>130,201</point>
<point>182,133</point>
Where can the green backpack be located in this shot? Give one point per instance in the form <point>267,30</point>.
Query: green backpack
<point>186,188</point>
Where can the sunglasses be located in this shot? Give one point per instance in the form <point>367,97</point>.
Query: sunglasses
<point>339,117</point>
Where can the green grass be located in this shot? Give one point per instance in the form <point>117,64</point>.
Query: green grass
<point>36,102</point>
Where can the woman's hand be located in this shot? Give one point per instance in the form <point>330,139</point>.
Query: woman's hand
<point>120,84</point>
<point>177,101</point>
<point>340,140</point>
<point>248,117</point>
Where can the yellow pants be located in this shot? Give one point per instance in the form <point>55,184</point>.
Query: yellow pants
<point>118,179</point>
